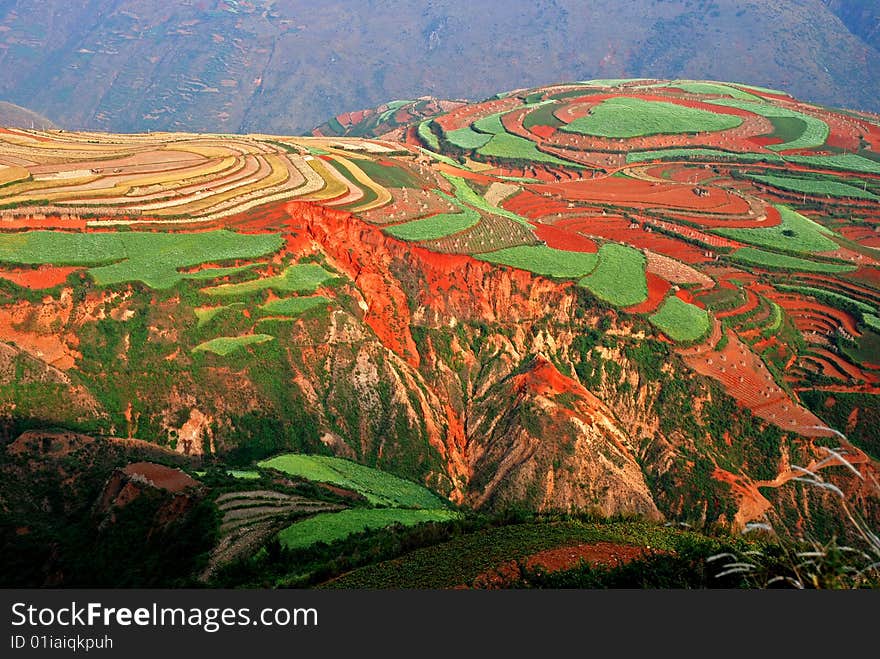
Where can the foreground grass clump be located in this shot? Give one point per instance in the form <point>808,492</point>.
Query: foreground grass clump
<point>330,527</point>
<point>152,258</point>
<point>680,320</point>
<point>620,276</point>
<point>379,487</point>
<point>299,278</point>
<point>226,345</point>
<point>543,260</point>
<point>633,117</point>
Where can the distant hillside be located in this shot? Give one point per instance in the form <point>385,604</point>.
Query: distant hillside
<point>284,66</point>
<point>861,17</point>
<point>16,116</point>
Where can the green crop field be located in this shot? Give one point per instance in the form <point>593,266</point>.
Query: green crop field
<point>842,300</point>
<point>292,306</point>
<point>436,226</point>
<point>151,258</point>
<point>849,162</point>
<point>207,314</point>
<point>795,233</point>
<point>427,136</point>
<point>512,147</point>
<point>543,260</point>
<point>465,194</point>
<point>543,116</point>
<point>710,88</point>
<point>467,138</point>
<point>329,527</point>
<point>299,278</point>
<point>619,277</point>
<point>680,320</point>
<point>226,345</point>
<point>707,154</point>
<point>388,176</point>
<point>816,187</point>
<point>379,487</point>
<point>815,131</point>
<point>633,117</point>
<point>773,261</point>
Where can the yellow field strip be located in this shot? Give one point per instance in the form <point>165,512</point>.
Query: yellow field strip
<point>383,196</point>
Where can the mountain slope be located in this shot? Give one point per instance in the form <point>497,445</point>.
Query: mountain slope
<point>19,117</point>
<point>283,67</point>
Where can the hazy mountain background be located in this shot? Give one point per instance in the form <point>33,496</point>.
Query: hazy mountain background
<point>287,65</point>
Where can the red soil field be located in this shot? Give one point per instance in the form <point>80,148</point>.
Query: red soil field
<point>745,377</point>
<point>45,276</point>
<point>607,554</point>
<point>567,240</point>
<point>40,221</point>
<point>618,229</point>
<point>543,132</point>
<point>657,290</point>
<point>160,476</point>
<point>644,194</point>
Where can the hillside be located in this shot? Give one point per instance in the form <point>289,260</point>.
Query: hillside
<point>19,117</point>
<point>641,298</point>
<point>280,66</point>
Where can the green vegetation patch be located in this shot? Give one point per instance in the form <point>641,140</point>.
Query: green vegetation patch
<point>298,278</point>
<point>795,233</point>
<point>632,117</point>
<point>467,138</point>
<point>293,306</point>
<point>680,320</point>
<point>714,88</point>
<point>436,226</point>
<point>849,162</point>
<point>465,194</point>
<point>620,276</point>
<point>152,258</point>
<point>226,345</point>
<point>815,131</point>
<point>813,186</point>
<point>329,527</point>
<point>463,559</point>
<point>773,261</point>
<point>207,314</point>
<point>543,260</point>
<point>427,135</point>
<point>388,176</point>
<point>512,147</point>
<point>379,487</point>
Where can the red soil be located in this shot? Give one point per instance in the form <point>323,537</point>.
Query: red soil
<point>165,478</point>
<point>657,290</point>
<point>606,554</point>
<point>646,194</point>
<point>566,240</point>
<point>45,276</point>
<point>543,132</point>
<point>745,377</point>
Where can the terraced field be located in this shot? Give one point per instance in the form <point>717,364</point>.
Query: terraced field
<point>735,227</point>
